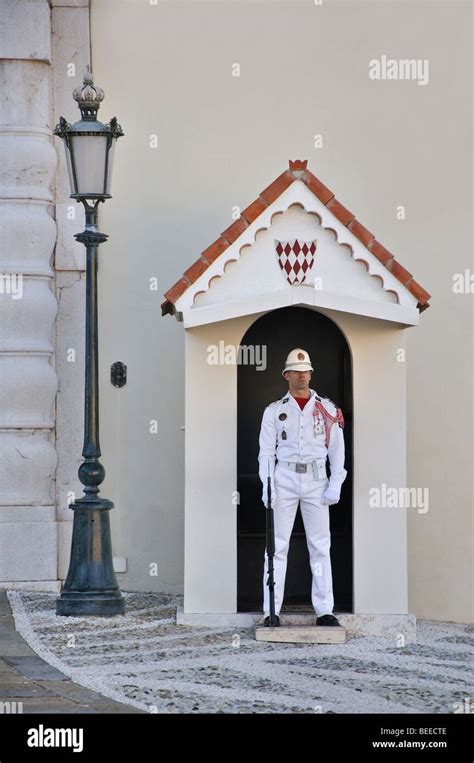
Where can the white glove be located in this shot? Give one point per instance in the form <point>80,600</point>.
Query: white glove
<point>265,495</point>
<point>331,496</point>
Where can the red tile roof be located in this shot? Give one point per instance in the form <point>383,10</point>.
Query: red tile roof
<point>297,170</point>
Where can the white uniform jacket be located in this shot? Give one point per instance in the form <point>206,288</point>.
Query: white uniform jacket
<point>288,433</point>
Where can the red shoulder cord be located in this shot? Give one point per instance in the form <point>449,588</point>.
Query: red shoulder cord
<point>328,419</point>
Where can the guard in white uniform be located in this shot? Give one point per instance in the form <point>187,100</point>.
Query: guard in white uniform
<point>301,439</point>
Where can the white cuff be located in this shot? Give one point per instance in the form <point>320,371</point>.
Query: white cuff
<point>266,468</point>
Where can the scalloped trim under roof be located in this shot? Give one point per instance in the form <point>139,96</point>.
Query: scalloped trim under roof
<point>297,171</point>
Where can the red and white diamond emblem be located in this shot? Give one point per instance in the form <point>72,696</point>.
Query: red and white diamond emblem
<point>295,258</point>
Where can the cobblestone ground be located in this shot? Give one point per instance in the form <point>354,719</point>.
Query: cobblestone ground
<point>144,659</point>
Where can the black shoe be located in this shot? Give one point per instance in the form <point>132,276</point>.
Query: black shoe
<point>266,622</point>
<point>327,620</point>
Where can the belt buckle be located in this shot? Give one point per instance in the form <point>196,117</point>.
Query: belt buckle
<point>300,468</point>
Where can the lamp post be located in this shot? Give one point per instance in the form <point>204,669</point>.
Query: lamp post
<point>91,587</point>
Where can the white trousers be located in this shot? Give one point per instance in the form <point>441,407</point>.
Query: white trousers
<point>292,488</point>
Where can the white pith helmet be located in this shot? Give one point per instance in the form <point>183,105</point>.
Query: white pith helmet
<point>298,360</point>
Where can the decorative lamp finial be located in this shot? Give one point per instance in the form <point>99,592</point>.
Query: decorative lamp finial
<point>89,96</point>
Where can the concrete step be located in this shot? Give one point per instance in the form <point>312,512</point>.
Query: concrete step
<point>302,634</point>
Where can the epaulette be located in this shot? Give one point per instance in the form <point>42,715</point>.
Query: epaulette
<point>324,397</point>
<point>280,400</point>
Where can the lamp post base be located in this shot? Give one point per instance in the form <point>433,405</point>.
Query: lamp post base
<point>100,603</point>
<point>91,587</point>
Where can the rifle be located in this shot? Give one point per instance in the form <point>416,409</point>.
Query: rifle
<point>270,532</point>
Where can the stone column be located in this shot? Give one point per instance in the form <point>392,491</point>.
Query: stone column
<point>70,52</point>
<point>28,381</point>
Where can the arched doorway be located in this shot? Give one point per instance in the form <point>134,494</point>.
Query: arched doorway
<point>279,332</point>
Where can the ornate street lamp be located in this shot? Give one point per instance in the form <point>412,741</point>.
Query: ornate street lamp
<point>91,587</point>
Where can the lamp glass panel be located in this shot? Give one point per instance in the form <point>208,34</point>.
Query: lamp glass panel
<point>89,157</point>
<point>69,168</point>
<point>110,166</point>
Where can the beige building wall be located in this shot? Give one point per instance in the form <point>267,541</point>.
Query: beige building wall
<point>167,70</point>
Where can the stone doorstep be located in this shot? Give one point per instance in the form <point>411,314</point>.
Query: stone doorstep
<point>302,634</point>
<point>357,625</point>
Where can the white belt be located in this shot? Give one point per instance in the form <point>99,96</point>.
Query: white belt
<point>318,466</point>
